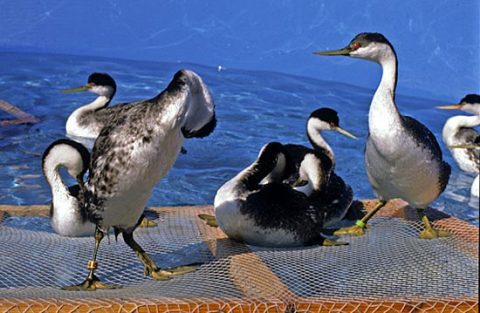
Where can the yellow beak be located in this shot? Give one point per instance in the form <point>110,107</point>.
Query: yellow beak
<point>344,132</point>
<point>464,146</point>
<point>78,89</point>
<point>450,107</point>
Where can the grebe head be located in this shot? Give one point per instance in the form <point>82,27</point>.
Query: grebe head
<point>326,119</point>
<point>371,46</point>
<point>101,84</point>
<point>69,154</point>
<point>470,103</point>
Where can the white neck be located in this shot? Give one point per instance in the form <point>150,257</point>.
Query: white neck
<point>453,125</point>
<point>59,189</point>
<point>310,169</point>
<point>317,141</point>
<point>73,120</point>
<point>383,117</point>
<point>96,104</point>
<point>475,186</point>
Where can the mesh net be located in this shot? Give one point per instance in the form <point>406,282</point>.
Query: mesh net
<point>387,270</point>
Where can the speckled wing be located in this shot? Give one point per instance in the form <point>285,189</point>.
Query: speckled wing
<point>105,115</point>
<point>470,136</point>
<point>113,148</point>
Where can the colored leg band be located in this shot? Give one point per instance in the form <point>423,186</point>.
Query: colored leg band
<point>360,224</point>
<point>91,265</point>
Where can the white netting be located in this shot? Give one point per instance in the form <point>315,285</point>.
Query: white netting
<point>390,265</point>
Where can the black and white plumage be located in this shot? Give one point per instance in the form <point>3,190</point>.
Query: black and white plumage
<point>262,206</point>
<point>402,157</point>
<point>459,130</point>
<point>68,216</point>
<point>88,120</point>
<point>135,150</point>
<point>270,214</point>
<point>332,193</point>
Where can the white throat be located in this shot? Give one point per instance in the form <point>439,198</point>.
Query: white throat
<point>59,189</point>
<point>73,122</point>
<point>314,128</point>
<point>384,120</point>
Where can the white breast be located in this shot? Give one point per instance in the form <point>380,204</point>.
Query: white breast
<point>66,219</point>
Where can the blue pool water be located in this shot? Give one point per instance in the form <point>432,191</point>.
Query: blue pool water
<point>253,108</point>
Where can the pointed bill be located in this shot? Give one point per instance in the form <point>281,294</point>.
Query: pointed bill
<point>344,132</point>
<point>344,51</point>
<point>464,146</point>
<point>77,89</point>
<point>450,107</point>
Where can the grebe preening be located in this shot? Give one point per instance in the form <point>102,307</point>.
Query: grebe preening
<point>475,147</point>
<point>272,214</point>
<point>67,212</point>
<point>334,194</point>
<point>459,131</point>
<point>261,207</point>
<point>132,153</point>
<point>402,157</point>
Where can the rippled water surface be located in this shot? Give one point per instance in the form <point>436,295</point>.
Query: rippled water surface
<point>253,108</point>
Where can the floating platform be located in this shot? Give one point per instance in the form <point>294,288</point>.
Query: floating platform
<point>388,270</point>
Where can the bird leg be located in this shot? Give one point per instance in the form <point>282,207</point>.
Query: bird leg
<point>92,282</point>
<point>151,269</point>
<point>429,232</point>
<point>210,220</point>
<point>360,225</point>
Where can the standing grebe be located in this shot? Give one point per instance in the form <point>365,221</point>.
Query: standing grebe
<point>132,153</point>
<point>402,157</point>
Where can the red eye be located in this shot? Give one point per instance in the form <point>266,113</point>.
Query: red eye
<point>355,45</point>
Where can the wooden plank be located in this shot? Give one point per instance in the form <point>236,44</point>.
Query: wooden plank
<point>239,305</point>
<point>25,210</point>
<point>21,117</point>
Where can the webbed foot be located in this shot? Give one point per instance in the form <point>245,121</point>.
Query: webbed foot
<point>147,223</point>
<point>165,274</point>
<point>430,233</point>
<point>356,230</point>
<point>210,220</point>
<point>331,243</point>
<point>91,284</point>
